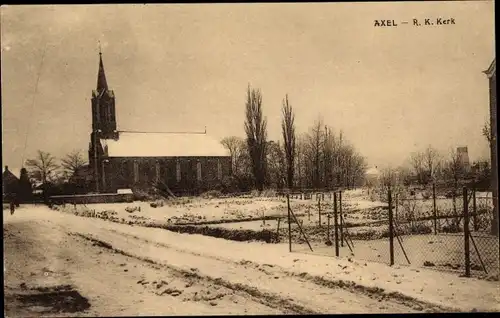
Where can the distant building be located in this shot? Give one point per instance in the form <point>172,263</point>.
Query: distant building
<point>185,162</point>
<point>491,73</point>
<point>372,176</point>
<point>10,183</point>
<point>463,156</point>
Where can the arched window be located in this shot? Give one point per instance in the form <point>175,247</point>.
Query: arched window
<point>157,166</point>
<point>136,171</point>
<point>198,170</point>
<point>219,169</point>
<point>178,170</point>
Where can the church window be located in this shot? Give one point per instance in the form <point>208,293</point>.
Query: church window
<point>136,171</point>
<point>157,171</point>
<point>178,170</point>
<point>219,169</point>
<point>198,170</point>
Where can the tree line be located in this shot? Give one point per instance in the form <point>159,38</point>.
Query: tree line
<point>318,158</point>
<point>52,175</point>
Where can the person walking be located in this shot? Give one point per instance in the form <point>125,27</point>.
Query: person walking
<point>12,206</point>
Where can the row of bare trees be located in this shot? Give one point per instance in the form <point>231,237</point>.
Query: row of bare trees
<point>47,169</point>
<point>317,159</point>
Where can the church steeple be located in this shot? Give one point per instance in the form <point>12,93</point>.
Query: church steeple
<point>102,84</point>
<point>103,105</point>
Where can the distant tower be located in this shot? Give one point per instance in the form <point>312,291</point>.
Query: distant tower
<point>463,156</point>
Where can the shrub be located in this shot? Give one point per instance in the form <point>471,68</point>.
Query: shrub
<point>268,193</point>
<point>421,228</point>
<point>229,184</point>
<point>426,195</point>
<point>211,194</point>
<point>157,204</point>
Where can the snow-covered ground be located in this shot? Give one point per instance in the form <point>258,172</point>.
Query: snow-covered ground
<point>132,270</point>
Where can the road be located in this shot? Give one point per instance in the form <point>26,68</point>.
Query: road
<point>59,264</point>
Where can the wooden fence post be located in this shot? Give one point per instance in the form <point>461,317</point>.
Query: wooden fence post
<point>434,209</point>
<point>319,212</point>
<point>391,228</point>
<point>336,224</point>
<point>474,210</point>
<point>466,233</point>
<point>341,220</point>
<point>328,227</point>
<point>289,224</point>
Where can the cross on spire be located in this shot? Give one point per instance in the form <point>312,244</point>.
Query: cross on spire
<point>102,84</point>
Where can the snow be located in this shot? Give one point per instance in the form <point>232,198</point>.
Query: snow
<point>445,289</point>
<point>164,145</point>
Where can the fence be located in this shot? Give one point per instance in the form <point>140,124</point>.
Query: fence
<point>439,233</point>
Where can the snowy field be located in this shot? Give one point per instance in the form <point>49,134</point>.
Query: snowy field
<point>365,223</point>
<point>118,269</point>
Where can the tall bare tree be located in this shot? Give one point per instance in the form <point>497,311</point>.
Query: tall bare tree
<point>418,163</point>
<point>315,137</point>
<point>43,167</point>
<point>454,170</point>
<point>276,165</point>
<point>233,145</point>
<point>431,161</point>
<point>256,131</point>
<point>328,152</point>
<point>288,131</point>
<point>72,162</point>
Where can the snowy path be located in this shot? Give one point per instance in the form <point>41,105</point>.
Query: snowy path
<point>130,270</point>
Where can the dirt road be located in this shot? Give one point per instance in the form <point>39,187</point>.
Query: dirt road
<point>59,264</point>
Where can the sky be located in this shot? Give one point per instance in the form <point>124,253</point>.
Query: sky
<point>392,91</point>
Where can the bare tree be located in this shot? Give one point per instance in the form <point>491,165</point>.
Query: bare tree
<point>328,152</point>
<point>454,170</point>
<point>418,163</point>
<point>276,165</point>
<point>72,162</point>
<point>388,180</point>
<point>43,167</point>
<point>487,132</point>
<point>315,147</point>
<point>256,131</point>
<point>288,130</point>
<point>233,145</point>
<point>431,161</point>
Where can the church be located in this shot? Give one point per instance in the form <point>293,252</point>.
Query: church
<point>184,162</point>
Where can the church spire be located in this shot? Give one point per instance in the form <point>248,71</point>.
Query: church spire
<point>102,84</point>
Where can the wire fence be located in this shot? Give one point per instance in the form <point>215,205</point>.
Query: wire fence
<point>443,233</point>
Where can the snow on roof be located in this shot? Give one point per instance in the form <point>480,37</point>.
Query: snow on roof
<point>130,144</point>
<point>372,171</point>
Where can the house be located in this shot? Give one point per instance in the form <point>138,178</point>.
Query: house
<point>372,176</point>
<point>10,182</point>
<point>492,79</point>
<point>184,162</point>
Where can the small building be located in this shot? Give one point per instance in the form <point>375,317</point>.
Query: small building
<point>491,73</point>
<point>10,183</point>
<point>372,176</point>
<point>184,162</point>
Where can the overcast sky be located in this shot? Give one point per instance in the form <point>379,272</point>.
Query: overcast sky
<point>182,67</point>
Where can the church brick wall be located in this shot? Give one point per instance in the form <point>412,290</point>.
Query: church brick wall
<point>119,173</point>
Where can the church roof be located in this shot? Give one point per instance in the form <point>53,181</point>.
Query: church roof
<point>102,84</point>
<point>135,144</point>
<point>492,69</point>
<point>11,174</point>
